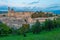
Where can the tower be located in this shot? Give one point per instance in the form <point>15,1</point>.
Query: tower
<point>8,12</point>
<point>11,12</point>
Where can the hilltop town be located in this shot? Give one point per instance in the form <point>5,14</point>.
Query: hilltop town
<point>16,19</point>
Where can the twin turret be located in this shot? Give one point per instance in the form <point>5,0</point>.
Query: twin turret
<point>11,12</point>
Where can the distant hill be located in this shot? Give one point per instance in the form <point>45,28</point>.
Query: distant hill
<point>55,11</point>
<point>3,8</point>
<point>54,8</point>
<point>3,12</point>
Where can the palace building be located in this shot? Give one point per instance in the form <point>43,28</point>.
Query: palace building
<point>12,13</point>
<point>20,15</point>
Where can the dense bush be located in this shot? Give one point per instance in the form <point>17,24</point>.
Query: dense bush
<point>4,29</point>
<point>55,23</point>
<point>36,28</point>
<point>24,29</point>
<point>49,24</point>
<point>58,23</point>
<point>41,14</point>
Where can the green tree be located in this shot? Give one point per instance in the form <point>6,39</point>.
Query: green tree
<point>36,27</point>
<point>55,23</point>
<point>4,29</point>
<point>24,29</point>
<point>49,24</point>
<point>58,23</point>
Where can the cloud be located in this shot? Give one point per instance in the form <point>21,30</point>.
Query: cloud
<point>3,2</point>
<point>35,2</point>
<point>29,3</point>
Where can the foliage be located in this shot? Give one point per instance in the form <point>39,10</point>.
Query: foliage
<point>36,27</point>
<point>58,23</point>
<point>4,29</point>
<point>41,14</point>
<point>49,24</point>
<point>24,29</point>
<point>51,35</point>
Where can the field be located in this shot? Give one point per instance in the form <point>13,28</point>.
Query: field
<point>51,35</point>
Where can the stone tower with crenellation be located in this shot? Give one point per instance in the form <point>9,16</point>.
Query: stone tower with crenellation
<point>11,12</point>
<point>8,11</point>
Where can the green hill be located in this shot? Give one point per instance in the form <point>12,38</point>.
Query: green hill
<point>51,35</point>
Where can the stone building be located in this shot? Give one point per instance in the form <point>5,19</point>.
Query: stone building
<point>20,15</point>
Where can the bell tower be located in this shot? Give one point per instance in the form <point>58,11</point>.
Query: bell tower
<point>12,12</point>
<point>9,11</point>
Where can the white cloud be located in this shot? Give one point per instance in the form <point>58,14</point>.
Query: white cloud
<point>29,3</point>
<point>3,2</point>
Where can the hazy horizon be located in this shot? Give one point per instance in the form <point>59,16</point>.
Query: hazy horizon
<point>31,5</point>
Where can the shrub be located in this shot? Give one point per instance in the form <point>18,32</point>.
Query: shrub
<point>36,27</point>
<point>55,23</point>
<point>4,29</point>
<point>58,23</point>
<point>49,24</point>
<point>24,29</point>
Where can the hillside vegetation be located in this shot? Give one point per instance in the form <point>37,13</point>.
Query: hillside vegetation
<point>51,35</point>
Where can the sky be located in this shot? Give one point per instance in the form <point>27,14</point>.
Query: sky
<point>29,3</point>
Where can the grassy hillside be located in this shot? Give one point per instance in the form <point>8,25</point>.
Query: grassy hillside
<point>51,35</point>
